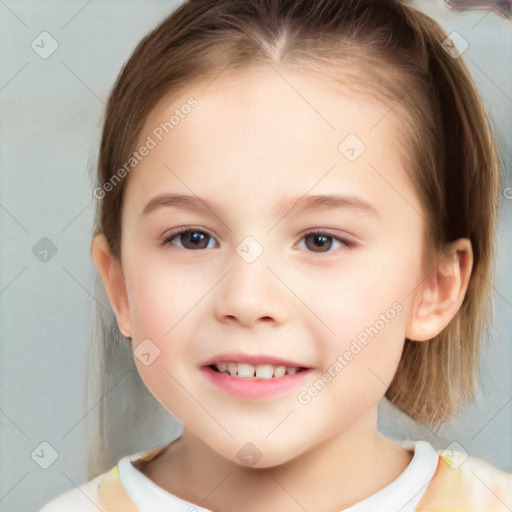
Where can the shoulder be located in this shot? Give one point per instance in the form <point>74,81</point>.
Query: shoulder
<point>467,483</point>
<point>79,499</point>
<point>101,493</point>
<point>105,492</point>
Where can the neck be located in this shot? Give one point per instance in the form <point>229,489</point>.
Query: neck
<point>332,475</point>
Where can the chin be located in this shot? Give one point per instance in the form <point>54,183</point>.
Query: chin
<point>258,454</point>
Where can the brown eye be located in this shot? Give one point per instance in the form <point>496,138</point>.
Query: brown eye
<point>191,239</point>
<point>318,243</point>
<point>322,242</point>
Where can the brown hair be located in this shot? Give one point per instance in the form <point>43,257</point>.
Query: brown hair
<point>450,153</point>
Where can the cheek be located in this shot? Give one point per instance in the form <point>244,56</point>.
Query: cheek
<point>369,339</point>
<point>350,300</point>
<point>158,307</point>
<point>363,312</point>
<point>358,364</point>
<point>161,354</point>
<point>161,294</point>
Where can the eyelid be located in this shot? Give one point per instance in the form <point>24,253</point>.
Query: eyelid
<point>166,237</point>
<point>342,236</point>
<point>346,240</point>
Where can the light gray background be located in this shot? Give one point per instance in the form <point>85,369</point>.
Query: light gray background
<point>51,114</point>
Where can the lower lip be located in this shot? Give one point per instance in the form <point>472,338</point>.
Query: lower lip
<point>254,388</point>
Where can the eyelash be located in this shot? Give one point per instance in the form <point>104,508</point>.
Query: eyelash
<point>347,244</point>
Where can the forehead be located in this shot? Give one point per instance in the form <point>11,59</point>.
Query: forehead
<point>281,93</point>
<point>269,127</point>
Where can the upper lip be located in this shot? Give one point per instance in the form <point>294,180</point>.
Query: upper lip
<point>237,357</point>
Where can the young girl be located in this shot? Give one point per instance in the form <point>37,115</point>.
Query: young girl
<point>297,218</point>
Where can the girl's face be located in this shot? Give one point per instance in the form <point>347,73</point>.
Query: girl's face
<point>303,249</point>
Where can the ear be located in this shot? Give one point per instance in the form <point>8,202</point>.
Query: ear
<point>112,276</point>
<point>440,295</point>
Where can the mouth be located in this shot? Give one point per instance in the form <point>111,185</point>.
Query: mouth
<point>251,376</point>
<point>251,371</point>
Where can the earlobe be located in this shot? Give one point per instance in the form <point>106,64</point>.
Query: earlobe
<point>440,295</point>
<point>111,272</point>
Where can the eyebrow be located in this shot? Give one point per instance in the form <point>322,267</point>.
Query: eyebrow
<point>287,206</point>
<point>179,201</point>
<point>327,202</point>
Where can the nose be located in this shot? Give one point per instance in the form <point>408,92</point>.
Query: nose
<point>250,294</point>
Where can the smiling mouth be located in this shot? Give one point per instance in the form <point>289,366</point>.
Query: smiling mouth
<point>250,371</point>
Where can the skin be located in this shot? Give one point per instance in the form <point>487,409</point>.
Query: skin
<point>245,151</point>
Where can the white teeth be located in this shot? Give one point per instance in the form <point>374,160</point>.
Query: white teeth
<point>250,371</point>
<point>222,367</point>
<point>279,371</point>
<point>264,371</point>
<point>232,369</point>
<point>245,370</point>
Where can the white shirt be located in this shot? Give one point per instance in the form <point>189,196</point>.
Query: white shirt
<point>403,494</point>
